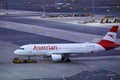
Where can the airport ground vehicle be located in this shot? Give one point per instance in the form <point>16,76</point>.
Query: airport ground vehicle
<point>17,60</point>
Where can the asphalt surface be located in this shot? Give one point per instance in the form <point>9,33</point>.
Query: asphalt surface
<point>101,66</point>
<point>21,38</point>
<point>58,25</point>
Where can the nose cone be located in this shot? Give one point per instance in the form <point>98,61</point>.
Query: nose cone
<point>16,52</point>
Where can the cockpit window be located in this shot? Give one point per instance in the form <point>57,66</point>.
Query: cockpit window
<point>21,48</point>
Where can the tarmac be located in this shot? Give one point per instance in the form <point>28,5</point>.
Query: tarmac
<point>20,29</point>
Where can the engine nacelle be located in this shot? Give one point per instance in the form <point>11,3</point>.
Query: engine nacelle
<point>56,57</point>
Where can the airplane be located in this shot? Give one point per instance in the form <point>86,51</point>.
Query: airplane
<point>61,52</point>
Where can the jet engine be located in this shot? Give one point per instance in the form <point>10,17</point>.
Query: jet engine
<point>56,57</point>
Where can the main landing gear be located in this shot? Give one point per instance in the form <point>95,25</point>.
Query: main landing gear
<point>18,60</point>
<point>66,58</point>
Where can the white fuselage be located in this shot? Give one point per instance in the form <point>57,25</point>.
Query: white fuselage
<point>49,49</point>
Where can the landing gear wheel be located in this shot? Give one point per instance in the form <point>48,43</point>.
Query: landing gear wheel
<point>68,60</point>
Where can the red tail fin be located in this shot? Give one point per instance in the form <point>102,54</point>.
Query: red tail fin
<point>108,41</point>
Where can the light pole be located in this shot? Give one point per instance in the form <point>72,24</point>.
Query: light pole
<point>44,10</point>
<point>43,5</point>
<point>6,6</point>
<point>93,18</point>
<point>93,6</point>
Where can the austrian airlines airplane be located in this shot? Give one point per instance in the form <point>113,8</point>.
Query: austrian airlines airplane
<point>61,52</point>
